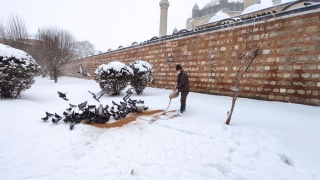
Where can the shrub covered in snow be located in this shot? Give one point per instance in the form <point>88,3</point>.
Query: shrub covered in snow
<point>17,70</point>
<point>141,75</point>
<point>114,77</point>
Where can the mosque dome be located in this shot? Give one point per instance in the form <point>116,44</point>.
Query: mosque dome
<point>211,3</point>
<point>256,7</point>
<point>219,16</point>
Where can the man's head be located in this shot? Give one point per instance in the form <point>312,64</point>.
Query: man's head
<point>178,68</point>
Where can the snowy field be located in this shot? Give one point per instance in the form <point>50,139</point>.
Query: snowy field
<point>266,140</point>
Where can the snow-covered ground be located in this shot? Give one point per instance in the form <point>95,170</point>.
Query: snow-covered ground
<point>266,140</point>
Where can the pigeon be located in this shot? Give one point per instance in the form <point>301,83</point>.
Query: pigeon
<point>122,114</point>
<point>63,95</point>
<point>55,121</point>
<point>72,126</point>
<point>82,105</point>
<point>140,102</point>
<point>45,118</point>
<point>91,106</point>
<point>123,106</point>
<point>66,119</point>
<point>72,106</point>
<point>99,95</point>
<point>132,101</point>
<point>48,114</point>
<point>129,91</point>
<point>82,72</point>
<point>115,104</point>
<point>65,113</point>
<point>106,108</point>
<point>126,97</point>
<point>69,109</point>
<point>99,111</point>
<point>57,116</point>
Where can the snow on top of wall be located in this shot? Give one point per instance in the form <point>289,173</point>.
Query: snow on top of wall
<point>219,16</point>
<point>115,65</point>
<point>142,66</point>
<point>8,52</point>
<point>286,1</point>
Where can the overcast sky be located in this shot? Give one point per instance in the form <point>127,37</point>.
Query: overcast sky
<point>105,23</point>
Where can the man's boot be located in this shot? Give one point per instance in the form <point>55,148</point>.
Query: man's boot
<point>182,108</point>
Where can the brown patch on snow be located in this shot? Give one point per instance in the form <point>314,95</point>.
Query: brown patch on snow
<point>132,117</point>
<point>155,118</point>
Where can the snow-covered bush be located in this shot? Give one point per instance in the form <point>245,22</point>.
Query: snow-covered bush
<point>141,75</point>
<point>17,71</point>
<point>114,77</point>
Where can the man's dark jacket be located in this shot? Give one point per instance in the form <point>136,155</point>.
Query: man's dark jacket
<point>183,82</point>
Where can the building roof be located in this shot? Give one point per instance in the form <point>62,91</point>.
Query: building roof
<point>256,7</point>
<point>219,16</point>
<point>214,2</point>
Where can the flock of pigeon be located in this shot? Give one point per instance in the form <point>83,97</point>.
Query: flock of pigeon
<point>94,114</point>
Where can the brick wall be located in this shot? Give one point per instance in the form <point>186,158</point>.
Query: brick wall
<point>288,69</point>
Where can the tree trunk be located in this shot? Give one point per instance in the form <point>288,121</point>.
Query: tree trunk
<point>234,98</point>
<point>55,75</point>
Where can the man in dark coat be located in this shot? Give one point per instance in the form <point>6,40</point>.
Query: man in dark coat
<point>183,86</point>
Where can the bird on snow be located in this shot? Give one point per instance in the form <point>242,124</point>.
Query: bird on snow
<point>63,95</point>
<point>91,106</point>
<point>82,105</point>
<point>72,106</point>
<point>65,113</point>
<point>115,104</point>
<point>55,121</point>
<point>45,118</point>
<point>49,114</point>
<point>69,109</point>
<point>57,116</point>
<point>72,126</point>
<point>99,95</point>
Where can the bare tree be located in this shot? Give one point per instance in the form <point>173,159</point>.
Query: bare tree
<point>84,48</point>
<point>55,47</point>
<point>13,32</point>
<point>245,57</point>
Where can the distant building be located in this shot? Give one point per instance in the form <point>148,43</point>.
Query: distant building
<point>224,8</point>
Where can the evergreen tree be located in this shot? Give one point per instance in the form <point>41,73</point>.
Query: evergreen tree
<point>17,71</point>
<point>113,77</point>
<point>142,72</point>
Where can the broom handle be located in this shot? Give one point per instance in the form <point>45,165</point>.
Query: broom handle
<point>168,105</point>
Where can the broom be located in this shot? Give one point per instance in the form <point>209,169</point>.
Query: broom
<point>173,94</point>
